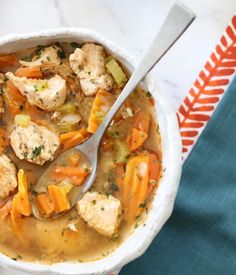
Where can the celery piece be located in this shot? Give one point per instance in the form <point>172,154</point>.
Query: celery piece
<point>22,120</point>
<point>117,72</point>
<point>67,108</point>
<point>121,151</point>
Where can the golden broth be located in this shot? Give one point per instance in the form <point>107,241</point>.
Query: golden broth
<point>52,241</point>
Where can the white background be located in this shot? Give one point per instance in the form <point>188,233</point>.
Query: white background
<point>132,24</point>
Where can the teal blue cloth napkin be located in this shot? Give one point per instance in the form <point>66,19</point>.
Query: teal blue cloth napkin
<point>200,236</point>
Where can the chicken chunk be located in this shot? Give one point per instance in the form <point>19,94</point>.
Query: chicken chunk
<point>89,65</point>
<point>47,55</point>
<point>102,213</point>
<point>34,143</point>
<point>48,94</point>
<point>8,179</point>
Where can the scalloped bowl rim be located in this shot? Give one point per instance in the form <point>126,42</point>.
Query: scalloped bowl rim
<point>163,202</point>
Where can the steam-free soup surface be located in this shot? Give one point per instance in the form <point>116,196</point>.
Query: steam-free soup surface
<point>54,97</point>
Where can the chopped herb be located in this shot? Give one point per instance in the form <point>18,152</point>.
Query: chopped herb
<point>143,205</point>
<point>94,201</point>
<point>48,58</point>
<point>102,208</point>
<point>115,237</point>
<point>27,58</point>
<point>75,45</point>
<point>39,50</point>
<point>14,259</point>
<point>34,192</point>
<point>153,182</point>
<point>157,129</point>
<point>61,54</point>
<point>19,257</point>
<point>35,88</point>
<point>63,231</point>
<point>148,94</point>
<point>164,169</point>
<point>37,151</point>
<point>1,91</point>
<point>136,225</point>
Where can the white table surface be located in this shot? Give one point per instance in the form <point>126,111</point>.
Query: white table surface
<point>132,24</point>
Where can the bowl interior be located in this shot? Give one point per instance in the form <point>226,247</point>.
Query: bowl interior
<point>163,202</point>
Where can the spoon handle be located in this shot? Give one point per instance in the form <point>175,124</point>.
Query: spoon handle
<point>175,24</point>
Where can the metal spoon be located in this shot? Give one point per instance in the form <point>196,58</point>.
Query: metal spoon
<point>175,24</point>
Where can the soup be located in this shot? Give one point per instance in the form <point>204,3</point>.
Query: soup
<point>53,98</point>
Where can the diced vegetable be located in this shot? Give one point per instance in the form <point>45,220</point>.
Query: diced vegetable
<point>116,71</point>
<point>22,120</point>
<point>75,175</point>
<point>14,93</point>
<point>137,139</point>
<point>68,108</point>
<point>59,198</point>
<point>22,201</point>
<point>7,60</point>
<point>141,122</point>
<point>135,185</point>
<point>44,204</point>
<point>30,72</point>
<point>73,138</point>
<point>101,105</point>
<point>139,131</point>
<point>69,122</point>
<point>121,151</point>
<point>5,209</point>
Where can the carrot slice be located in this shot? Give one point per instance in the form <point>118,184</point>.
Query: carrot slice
<point>22,201</point>
<point>13,98</point>
<point>14,92</point>
<point>30,72</point>
<point>101,105</point>
<point>137,139</point>
<point>68,171</point>
<point>139,131</point>
<point>142,122</point>
<point>135,185</point>
<point>44,204</point>
<point>74,138</point>
<point>59,198</point>
<point>8,60</point>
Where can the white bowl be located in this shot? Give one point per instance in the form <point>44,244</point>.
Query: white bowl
<point>162,206</point>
